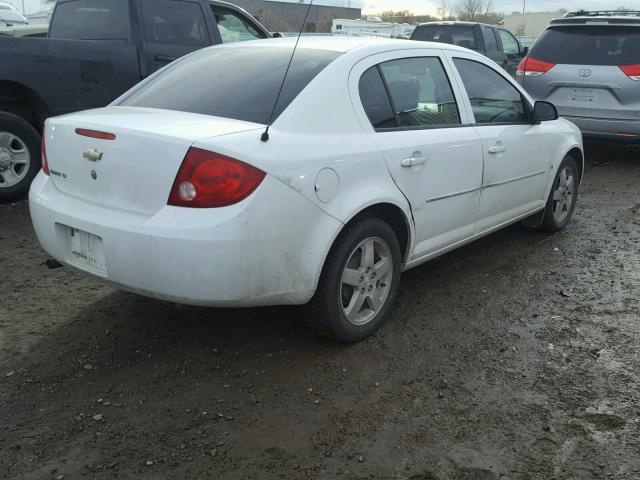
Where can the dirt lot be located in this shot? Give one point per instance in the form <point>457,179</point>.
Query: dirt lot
<point>516,357</point>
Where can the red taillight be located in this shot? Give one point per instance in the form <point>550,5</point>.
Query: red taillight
<point>632,71</point>
<point>43,157</point>
<point>95,134</point>
<point>532,67</point>
<point>208,180</point>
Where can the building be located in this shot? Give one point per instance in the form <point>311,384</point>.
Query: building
<point>529,24</point>
<point>367,28</point>
<point>287,16</point>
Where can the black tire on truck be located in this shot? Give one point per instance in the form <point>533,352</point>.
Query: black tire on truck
<point>20,159</point>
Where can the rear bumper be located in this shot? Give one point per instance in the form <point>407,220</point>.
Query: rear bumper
<point>607,129</point>
<point>267,250</point>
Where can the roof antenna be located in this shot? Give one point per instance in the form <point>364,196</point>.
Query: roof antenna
<point>265,135</point>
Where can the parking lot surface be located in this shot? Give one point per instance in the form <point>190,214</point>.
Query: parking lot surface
<point>515,357</point>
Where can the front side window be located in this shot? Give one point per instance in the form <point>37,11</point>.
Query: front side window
<point>493,98</point>
<point>175,21</point>
<point>232,82</point>
<point>509,44</point>
<point>234,28</point>
<point>91,20</point>
<point>420,92</point>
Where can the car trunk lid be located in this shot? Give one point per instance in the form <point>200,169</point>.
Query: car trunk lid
<point>127,158</point>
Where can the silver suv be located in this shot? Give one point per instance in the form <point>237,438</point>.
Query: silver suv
<point>588,65</point>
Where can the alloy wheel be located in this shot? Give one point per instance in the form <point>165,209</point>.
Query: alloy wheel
<point>563,195</point>
<point>366,281</point>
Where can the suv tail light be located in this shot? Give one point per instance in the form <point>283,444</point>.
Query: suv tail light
<point>209,180</point>
<point>43,157</point>
<point>632,71</point>
<point>532,67</point>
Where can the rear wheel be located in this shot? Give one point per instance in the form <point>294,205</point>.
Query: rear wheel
<point>563,196</point>
<point>359,282</point>
<point>19,156</point>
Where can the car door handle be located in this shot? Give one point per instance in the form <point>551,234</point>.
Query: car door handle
<point>414,161</point>
<point>497,149</point>
<point>164,58</point>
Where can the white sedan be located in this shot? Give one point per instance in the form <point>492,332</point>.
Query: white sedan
<point>382,154</point>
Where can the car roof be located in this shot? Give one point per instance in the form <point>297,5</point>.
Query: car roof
<point>596,20</point>
<point>457,22</point>
<point>344,44</point>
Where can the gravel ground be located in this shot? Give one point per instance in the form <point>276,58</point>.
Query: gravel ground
<point>516,357</point>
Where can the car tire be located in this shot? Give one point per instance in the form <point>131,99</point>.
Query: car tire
<point>359,282</point>
<point>562,197</point>
<point>20,162</point>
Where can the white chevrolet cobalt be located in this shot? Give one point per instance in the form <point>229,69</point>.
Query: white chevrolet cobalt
<point>381,155</point>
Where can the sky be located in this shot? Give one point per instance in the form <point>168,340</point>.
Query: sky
<point>430,6</point>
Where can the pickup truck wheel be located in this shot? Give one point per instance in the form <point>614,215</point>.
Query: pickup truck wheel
<point>20,146</point>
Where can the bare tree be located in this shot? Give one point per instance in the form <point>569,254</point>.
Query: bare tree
<point>474,10</point>
<point>445,11</point>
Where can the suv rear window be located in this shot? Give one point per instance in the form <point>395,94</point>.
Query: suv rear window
<point>460,35</point>
<point>589,45</point>
<point>232,82</point>
<point>91,20</point>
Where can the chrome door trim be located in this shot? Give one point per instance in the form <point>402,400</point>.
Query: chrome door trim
<point>516,179</point>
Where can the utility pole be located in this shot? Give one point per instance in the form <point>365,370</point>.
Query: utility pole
<point>24,12</point>
<point>524,6</point>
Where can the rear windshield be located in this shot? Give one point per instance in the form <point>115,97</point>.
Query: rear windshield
<point>91,20</point>
<point>589,45</point>
<point>232,82</point>
<point>460,35</point>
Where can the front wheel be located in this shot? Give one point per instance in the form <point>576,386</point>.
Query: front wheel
<point>359,282</point>
<point>563,196</point>
<point>19,156</point>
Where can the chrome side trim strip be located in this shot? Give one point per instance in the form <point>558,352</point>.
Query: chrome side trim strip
<point>511,180</point>
<point>451,195</point>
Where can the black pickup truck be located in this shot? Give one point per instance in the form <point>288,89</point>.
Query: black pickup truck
<point>494,42</point>
<point>94,52</point>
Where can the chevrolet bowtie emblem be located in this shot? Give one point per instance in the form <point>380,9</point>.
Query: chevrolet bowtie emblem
<point>92,154</point>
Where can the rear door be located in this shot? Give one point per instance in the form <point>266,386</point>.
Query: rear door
<point>433,153</point>
<point>173,28</point>
<point>516,151</point>
<point>584,71</point>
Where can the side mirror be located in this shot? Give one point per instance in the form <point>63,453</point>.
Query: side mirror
<point>544,112</point>
<point>525,51</point>
<point>276,35</point>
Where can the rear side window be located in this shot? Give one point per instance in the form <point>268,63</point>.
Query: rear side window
<point>589,45</point>
<point>493,98</point>
<point>175,21</point>
<point>420,92</point>
<point>490,41</point>
<point>232,82</point>
<point>91,20</point>
<point>375,100</point>
<point>460,35</point>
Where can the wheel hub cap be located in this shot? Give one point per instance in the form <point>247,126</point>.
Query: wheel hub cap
<point>6,159</point>
<point>366,281</point>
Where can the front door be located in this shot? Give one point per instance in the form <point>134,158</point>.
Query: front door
<point>516,155</point>
<point>433,154</point>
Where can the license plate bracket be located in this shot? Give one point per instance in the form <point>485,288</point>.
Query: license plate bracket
<point>86,251</point>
